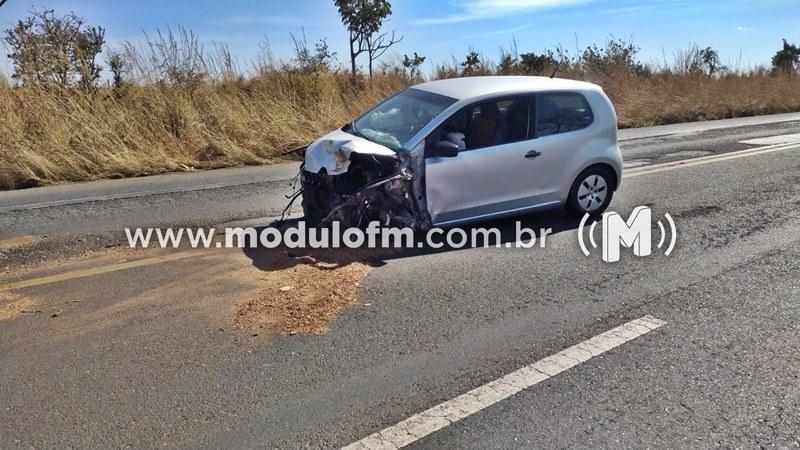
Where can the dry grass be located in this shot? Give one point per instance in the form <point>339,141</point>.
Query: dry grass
<point>51,136</point>
<point>669,98</point>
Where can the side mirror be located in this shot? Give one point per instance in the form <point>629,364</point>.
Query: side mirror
<point>445,149</point>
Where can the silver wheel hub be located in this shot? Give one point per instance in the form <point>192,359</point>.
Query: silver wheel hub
<point>592,193</point>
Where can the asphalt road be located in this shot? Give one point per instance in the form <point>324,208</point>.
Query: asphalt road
<point>145,356</point>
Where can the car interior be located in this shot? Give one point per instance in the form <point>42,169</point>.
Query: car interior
<point>500,122</point>
<point>486,124</point>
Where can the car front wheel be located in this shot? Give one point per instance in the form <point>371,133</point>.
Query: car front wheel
<point>591,192</point>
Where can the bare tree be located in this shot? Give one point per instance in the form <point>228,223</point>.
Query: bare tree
<point>364,19</point>
<point>377,46</point>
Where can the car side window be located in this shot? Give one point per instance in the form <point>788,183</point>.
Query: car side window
<point>561,112</point>
<point>486,124</point>
<point>453,129</point>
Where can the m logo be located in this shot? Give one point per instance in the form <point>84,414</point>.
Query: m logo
<point>635,233</point>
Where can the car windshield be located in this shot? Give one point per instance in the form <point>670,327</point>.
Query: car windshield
<point>396,120</point>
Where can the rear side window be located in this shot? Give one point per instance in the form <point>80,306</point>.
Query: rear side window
<point>486,124</point>
<point>562,112</point>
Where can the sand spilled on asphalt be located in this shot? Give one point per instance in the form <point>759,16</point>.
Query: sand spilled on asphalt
<point>303,293</point>
<point>288,291</point>
<point>9,244</point>
<point>13,306</point>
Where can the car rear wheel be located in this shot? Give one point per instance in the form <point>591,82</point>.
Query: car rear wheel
<point>591,192</point>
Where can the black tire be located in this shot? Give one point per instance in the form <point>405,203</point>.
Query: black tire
<point>591,193</point>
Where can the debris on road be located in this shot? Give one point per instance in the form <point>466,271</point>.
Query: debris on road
<point>9,244</point>
<point>302,293</point>
<point>13,306</point>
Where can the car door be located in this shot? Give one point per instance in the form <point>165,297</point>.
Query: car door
<point>560,128</point>
<point>494,172</point>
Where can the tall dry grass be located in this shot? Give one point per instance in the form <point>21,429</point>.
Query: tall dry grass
<point>220,117</point>
<point>670,98</point>
<point>52,135</point>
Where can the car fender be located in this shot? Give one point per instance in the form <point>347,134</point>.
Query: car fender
<point>616,167</point>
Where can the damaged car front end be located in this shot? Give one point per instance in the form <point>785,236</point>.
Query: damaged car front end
<point>354,182</point>
<point>363,173</point>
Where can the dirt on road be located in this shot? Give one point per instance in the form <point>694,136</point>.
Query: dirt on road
<point>13,306</point>
<point>303,293</point>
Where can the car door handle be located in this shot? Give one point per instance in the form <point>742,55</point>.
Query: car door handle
<point>533,154</point>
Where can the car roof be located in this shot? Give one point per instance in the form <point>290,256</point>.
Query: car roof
<point>470,87</point>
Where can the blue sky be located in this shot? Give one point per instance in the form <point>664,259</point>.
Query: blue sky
<point>746,32</point>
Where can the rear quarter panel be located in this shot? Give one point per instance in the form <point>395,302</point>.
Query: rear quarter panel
<point>598,146</point>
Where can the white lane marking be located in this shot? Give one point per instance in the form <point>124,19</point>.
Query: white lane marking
<point>773,140</point>
<point>427,422</point>
<point>635,163</point>
<point>655,168</point>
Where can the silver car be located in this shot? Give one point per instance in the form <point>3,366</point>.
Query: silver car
<point>462,150</point>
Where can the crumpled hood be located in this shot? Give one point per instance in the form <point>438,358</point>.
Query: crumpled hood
<point>332,152</point>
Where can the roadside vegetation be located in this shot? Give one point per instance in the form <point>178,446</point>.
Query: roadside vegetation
<point>75,109</point>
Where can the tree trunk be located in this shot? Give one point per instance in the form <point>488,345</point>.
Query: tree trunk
<point>352,56</point>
